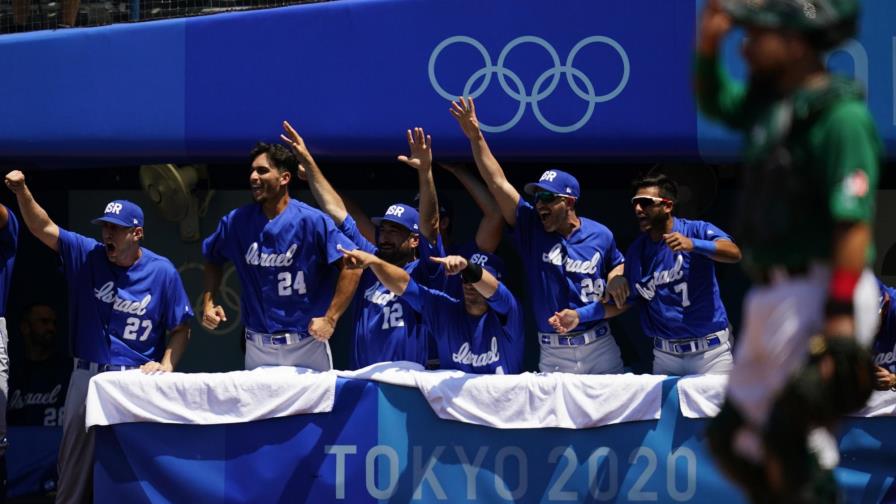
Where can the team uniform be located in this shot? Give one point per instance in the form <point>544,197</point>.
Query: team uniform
<point>9,237</point>
<point>679,303</point>
<point>491,343</point>
<point>884,347</point>
<point>287,277</point>
<point>37,391</point>
<point>811,161</point>
<point>569,272</point>
<point>387,328</point>
<point>118,318</point>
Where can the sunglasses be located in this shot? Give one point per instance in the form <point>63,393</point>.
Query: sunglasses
<point>546,197</point>
<point>648,201</point>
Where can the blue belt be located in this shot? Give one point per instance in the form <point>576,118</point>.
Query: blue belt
<point>100,368</point>
<point>274,339</point>
<point>573,339</point>
<point>691,345</point>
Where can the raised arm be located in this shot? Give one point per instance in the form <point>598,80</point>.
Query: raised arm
<point>421,160</point>
<point>488,236</point>
<point>35,217</point>
<point>464,111</point>
<point>392,277</point>
<point>721,250</point>
<point>484,282</point>
<point>327,197</point>
<point>718,95</point>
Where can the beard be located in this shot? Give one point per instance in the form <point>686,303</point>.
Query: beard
<point>396,256</point>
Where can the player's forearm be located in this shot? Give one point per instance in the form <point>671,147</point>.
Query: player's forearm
<point>850,247</point>
<point>212,275</point>
<point>37,220</point>
<point>488,235</point>
<point>429,204</point>
<point>327,197</point>
<point>4,216</point>
<point>619,270</point>
<point>177,345</point>
<point>505,194</point>
<point>392,277</point>
<point>362,220</point>
<point>487,285</point>
<point>726,252</point>
<point>346,285</point>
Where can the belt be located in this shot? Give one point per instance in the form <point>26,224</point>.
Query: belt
<point>100,368</point>
<point>691,345</point>
<point>274,339</point>
<point>574,339</point>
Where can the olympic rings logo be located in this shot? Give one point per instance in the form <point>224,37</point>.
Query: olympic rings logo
<point>544,85</point>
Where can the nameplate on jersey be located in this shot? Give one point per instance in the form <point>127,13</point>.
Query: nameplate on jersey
<point>647,289</point>
<point>19,400</point>
<point>884,359</point>
<point>555,256</point>
<point>373,295</point>
<point>465,356</point>
<point>107,294</point>
<point>269,260</point>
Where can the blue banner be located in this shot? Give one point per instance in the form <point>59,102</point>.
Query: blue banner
<point>564,80</point>
<point>383,443</point>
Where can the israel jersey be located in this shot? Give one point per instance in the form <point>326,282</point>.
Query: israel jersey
<point>9,237</point>
<point>677,292</point>
<point>563,272</point>
<point>491,343</point>
<point>285,264</point>
<point>884,348</point>
<point>119,315</point>
<point>386,327</point>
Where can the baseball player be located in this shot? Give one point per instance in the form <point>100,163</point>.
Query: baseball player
<point>386,327</point>
<point>884,348</point>
<point>811,159</point>
<point>568,258</point>
<point>670,275</point>
<point>9,236</point>
<point>294,288</point>
<point>483,333</point>
<point>122,299</point>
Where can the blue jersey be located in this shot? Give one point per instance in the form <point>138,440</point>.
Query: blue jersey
<point>677,292</point>
<point>454,286</point>
<point>9,237</point>
<point>491,343</point>
<point>884,348</point>
<point>285,264</point>
<point>386,327</point>
<point>119,315</point>
<point>563,272</point>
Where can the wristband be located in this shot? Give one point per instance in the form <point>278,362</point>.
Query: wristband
<point>705,247</point>
<point>591,312</point>
<point>843,283</point>
<point>472,273</point>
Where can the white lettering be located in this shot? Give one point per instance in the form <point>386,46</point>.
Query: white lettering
<point>390,475</point>
<point>465,356</point>
<point>272,260</point>
<point>19,400</point>
<point>422,474</point>
<point>661,277</point>
<point>884,359</point>
<point>555,257</point>
<point>108,294</point>
<point>395,210</point>
<point>478,259</point>
<point>373,295</point>
<point>522,477</point>
<point>471,468</point>
<point>113,208</point>
<point>548,175</point>
<point>340,451</point>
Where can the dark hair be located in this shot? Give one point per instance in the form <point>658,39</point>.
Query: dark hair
<point>668,188</point>
<point>282,158</point>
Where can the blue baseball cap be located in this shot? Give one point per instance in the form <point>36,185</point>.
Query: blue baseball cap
<point>490,262</point>
<point>121,213</point>
<point>555,181</point>
<point>401,214</point>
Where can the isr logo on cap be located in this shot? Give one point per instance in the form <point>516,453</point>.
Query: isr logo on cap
<point>548,175</point>
<point>114,208</point>
<point>395,210</point>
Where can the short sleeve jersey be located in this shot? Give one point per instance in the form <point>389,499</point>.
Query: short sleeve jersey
<point>119,315</point>
<point>9,238</point>
<point>386,327</point>
<point>491,343</point>
<point>285,264</point>
<point>676,292</point>
<point>563,272</point>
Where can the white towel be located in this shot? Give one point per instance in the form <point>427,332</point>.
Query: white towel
<point>208,398</point>
<point>701,396</point>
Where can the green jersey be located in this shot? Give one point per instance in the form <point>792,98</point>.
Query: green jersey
<point>811,161</point>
